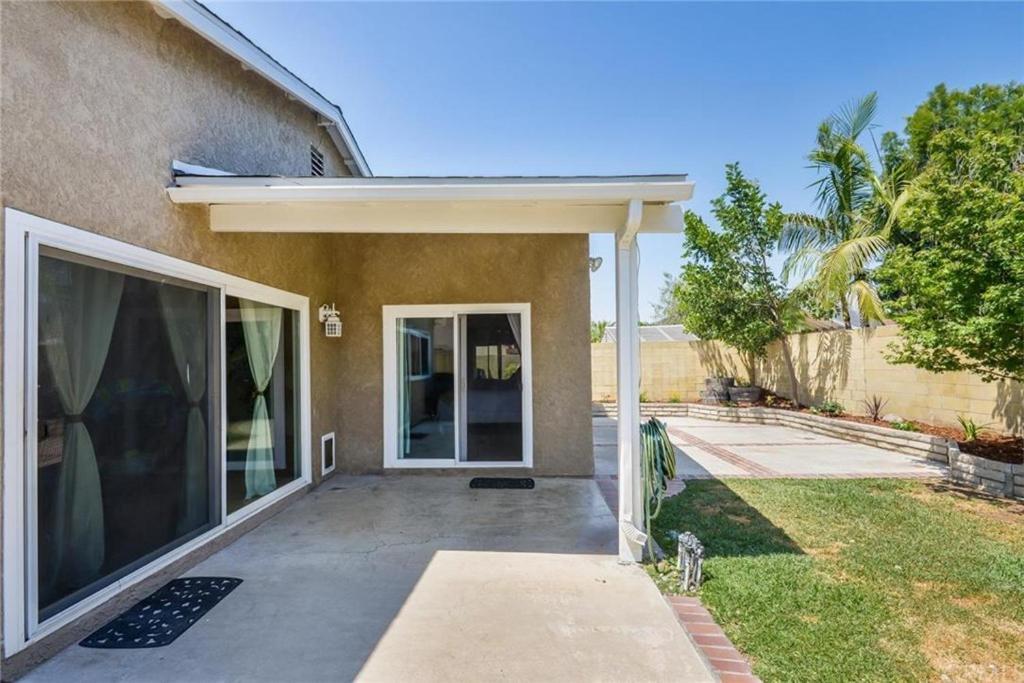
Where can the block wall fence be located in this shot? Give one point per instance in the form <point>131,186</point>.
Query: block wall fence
<point>847,366</point>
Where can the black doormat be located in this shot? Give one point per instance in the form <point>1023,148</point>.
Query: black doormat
<point>157,620</point>
<point>501,483</point>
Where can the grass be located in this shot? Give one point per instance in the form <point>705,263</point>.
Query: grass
<point>858,580</point>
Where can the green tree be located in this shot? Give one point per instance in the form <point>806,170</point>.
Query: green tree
<point>597,328</point>
<point>727,291</point>
<point>833,252</point>
<point>666,309</point>
<point>955,274</point>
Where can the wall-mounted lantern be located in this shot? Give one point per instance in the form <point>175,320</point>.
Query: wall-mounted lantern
<point>329,316</point>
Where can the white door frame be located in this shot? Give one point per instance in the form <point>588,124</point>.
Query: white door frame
<point>24,234</point>
<point>391,315</point>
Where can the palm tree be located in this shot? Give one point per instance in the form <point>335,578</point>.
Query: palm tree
<point>833,252</point>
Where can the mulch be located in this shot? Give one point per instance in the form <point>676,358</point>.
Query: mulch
<point>989,445</point>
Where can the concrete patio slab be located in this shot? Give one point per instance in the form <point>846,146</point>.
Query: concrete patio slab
<point>420,578</point>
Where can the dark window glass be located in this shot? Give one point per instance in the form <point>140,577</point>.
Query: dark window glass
<point>262,395</point>
<point>125,368</point>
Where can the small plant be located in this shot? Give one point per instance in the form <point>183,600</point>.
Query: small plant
<point>770,400</point>
<point>972,430</point>
<point>904,425</point>
<point>875,405</point>
<point>674,398</point>
<point>830,408</point>
<point>644,398</point>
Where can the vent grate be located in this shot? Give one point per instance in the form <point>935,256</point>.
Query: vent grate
<point>316,161</point>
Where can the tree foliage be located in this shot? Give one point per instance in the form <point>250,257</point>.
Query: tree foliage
<point>597,329</point>
<point>727,291</point>
<point>955,273</point>
<point>834,252</point>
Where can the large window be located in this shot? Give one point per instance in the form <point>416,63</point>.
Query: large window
<point>261,351</point>
<point>162,403</point>
<point>123,428</point>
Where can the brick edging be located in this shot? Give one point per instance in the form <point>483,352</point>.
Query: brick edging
<point>990,476</point>
<point>726,662</point>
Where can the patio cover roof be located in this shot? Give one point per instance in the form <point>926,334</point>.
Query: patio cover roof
<point>577,204</point>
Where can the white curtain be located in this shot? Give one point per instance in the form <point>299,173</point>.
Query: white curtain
<point>516,324</point>
<point>261,326</point>
<point>404,398</point>
<point>77,310</point>
<point>184,314</point>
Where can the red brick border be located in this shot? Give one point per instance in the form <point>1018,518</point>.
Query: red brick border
<point>726,661</point>
<point>723,453</point>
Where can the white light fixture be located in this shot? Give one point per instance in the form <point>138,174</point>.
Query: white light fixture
<point>595,263</point>
<point>329,316</point>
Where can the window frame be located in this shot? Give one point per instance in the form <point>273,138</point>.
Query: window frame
<point>391,314</point>
<point>24,235</point>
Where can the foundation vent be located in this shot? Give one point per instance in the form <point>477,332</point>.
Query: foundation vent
<point>316,161</point>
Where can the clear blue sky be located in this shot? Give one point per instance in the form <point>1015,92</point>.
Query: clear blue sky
<point>610,88</point>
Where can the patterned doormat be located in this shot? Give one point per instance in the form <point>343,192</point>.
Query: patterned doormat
<point>157,620</point>
<point>501,483</point>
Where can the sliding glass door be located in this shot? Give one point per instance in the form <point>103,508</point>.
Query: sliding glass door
<point>457,386</point>
<point>162,402</point>
<point>262,400</point>
<point>491,422</point>
<point>124,439</point>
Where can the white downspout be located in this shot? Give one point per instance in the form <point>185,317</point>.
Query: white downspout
<point>627,351</point>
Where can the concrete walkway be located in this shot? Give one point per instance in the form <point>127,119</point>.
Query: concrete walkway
<point>712,449</point>
<point>420,578</point>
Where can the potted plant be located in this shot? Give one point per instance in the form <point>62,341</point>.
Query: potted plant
<point>744,392</point>
<point>716,389</point>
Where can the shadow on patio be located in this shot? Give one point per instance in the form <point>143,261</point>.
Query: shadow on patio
<point>387,578</point>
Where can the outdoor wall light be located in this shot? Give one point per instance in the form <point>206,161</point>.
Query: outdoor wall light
<point>595,263</point>
<point>329,316</point>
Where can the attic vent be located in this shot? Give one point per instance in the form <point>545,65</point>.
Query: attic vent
<point>316,161</point>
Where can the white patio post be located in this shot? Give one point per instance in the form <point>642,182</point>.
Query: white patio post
<point>627,350</point>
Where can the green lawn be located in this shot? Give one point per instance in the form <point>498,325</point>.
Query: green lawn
<point>858,580</point>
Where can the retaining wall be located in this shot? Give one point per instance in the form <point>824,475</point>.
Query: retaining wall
<point>994,478</point>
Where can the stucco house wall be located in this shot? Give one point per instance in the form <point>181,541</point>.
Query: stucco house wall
<point>547,271</point>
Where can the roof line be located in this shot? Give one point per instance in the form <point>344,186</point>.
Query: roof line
<point>203,21</point>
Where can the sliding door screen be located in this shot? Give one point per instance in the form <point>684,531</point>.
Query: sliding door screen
<point>262,395</point>
<point>492,366</point>
<point>457,387</point>
<point>124,443</point>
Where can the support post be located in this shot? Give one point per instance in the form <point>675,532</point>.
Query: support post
<point>627,350</point>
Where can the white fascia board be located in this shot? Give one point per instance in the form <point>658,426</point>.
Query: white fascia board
<point>241,190</point>
<point>211,27</point>
<point>441,217</point>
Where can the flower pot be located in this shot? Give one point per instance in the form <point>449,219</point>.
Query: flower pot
<point>745,394</point>
<point>719,384</point>
<point>713,397</point>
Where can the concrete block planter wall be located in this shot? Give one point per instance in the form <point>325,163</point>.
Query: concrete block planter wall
<point>994,478</point>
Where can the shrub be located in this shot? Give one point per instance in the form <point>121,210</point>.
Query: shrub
<point>904,426</point>
<point>644,398</point>
<point>972,430</point>
<point>674,398</point>
<point>830,408</point>
<point>875,405</point>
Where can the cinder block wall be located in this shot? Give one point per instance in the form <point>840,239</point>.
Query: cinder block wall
<point>847,366</point>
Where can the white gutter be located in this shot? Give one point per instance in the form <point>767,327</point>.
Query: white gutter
<point>211,27</point>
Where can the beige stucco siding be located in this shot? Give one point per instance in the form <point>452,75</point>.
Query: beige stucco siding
<point>99,98</point>
<point>548,272</point>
